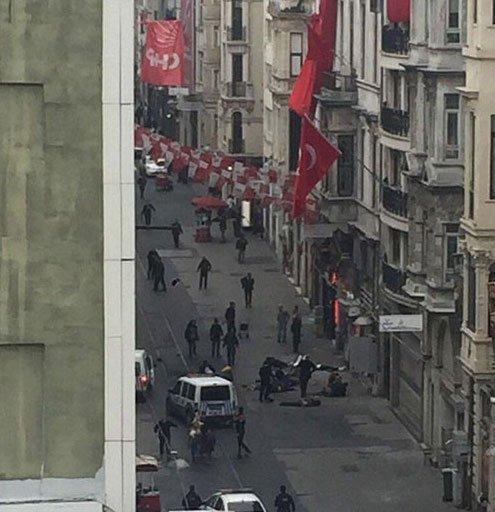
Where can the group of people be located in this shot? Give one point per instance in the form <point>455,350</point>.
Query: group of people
<point>201,439</point>
<point>283,319</point>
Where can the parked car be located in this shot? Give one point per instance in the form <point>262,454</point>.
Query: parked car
<point>242,500</point>
<point>214,397</point>
<point>145,372</point>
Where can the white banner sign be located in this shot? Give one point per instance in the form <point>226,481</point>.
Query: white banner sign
<point>401,323</point>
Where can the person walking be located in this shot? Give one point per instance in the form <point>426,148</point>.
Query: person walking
<point>141,181</point>
<point>192,337</point>
<point>282,321</point>
<point>306,369</point>
<point>162,429</point>
<point>159,275</point>
<point>192,500</point>
<point>295,328</point>
<point>240,428</point>
<point>176,232</point>
<point>247,283</point>
<point>231,342</point>
<point>216,333</point>
<point>204,268</point>
<point>230,316</point>
<point>222,224</point>
<point>265,374</point>
<point>147,212</point>
<point>284,501</point>
<point>152,257</point>
<point>241,245</point>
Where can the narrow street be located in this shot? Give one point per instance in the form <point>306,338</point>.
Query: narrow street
<point>348,455</point>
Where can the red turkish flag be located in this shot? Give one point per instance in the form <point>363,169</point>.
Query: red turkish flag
<point>316,155</point>
<point>399,11</point>
<point>162,62</point>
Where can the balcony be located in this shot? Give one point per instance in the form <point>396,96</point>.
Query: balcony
<point>395,39</point>
<point>395,121</point>
<point>393,278</point>
<point>338,90</point>
<point>394,200</point>
<point>236,34</point>
<point>287,8</point>
<point>237,147</point>
<point>241,90</point>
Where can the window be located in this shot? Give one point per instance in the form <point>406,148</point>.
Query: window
<point>451,248</point>
<point>471,298</point>
<point>296,53</point>
<point>216,36</point>
<point>361,164</point>
<point>200,66</point>
<point>185,389</point>
<point>237,31</point>
<point>341,33</point>
<point>219,393</point>
<point>395,246</point>
<point>475,11</point>
<point>363,39</point>
<point>351,35</point>
<point>453,22</point>
<point>345,166</point>
<point>375,49</point>
<point>374,167</point>
<point>237,67</point>
<point>237,142</point>
<point>215,79</point>
<point>451,126</point>
<point>493,12</point>
<point>492,157</point>
<point>191,391</point>
<point>472,121</point>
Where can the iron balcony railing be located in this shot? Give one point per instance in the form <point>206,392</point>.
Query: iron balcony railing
<point>394,200</point>
<point>395,39</point>
<point>237,90</point>
<point>395,121</point>
<point>393,278</point>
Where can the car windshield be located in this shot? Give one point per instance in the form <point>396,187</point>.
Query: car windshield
<point>245,506</point>
<point>215,393</point>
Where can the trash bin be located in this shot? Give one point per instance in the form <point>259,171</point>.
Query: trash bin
<point>448,475</point>
<point>318,315</point>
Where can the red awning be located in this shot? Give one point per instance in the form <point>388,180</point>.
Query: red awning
<point>208,202</point>
<point>399,11</point>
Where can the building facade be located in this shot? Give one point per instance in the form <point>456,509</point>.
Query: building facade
<point>67,258</point>
<point>478,227</point>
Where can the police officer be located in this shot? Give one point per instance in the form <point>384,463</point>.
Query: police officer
<point>284,501</point>
<point>265,374</point>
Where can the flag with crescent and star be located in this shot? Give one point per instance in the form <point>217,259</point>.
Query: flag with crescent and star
<point>316,155</point>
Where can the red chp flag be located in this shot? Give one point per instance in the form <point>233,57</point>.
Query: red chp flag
<point>321,45</point>
<point>162,62</point>
<point>316,155</point>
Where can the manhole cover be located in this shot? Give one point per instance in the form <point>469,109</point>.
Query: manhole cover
<point>175,253</point>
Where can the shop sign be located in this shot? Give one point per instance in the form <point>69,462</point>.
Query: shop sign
<point>401,323</point>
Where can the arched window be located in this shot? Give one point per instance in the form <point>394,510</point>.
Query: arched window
<point>237,136</point>
<point>237,29</point>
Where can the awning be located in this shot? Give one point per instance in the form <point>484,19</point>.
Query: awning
<point>399,11</point>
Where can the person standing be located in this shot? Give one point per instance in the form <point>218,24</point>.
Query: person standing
<point>159,275</point>
<point>142,185</point>
<point>216,333</point>
<point>231,342</point>
<point>240,428</point>
<point>265,374</point>
<point>152,257</point>
<point>306,369</point>
<point>204,268</point>
<point>247,283</point>
<point>162,429</point>
<point>282,321</point>
<point>230,316</point>
<point>241,245</point>
<point>192,500</point>
<point>176,232</point>
<point>284,501</point>
<point>222,224</point>
<point>147,212</point>
<point>192,336</point>
<point>295,328</point>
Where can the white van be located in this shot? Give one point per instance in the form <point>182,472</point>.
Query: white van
<point>214,397</point>
<point>144,372</point>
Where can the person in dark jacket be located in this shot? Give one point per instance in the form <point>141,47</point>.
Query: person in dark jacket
<point>240,428</point>
<point>306,369</point>
<point>231,342</point>
<point>230,316</point>
<point>222,224</point>
<point>204,268</point>
<point>192,336</point>
<point>216,333</point>
<point>295,328</point>
<point>159,275</point>
<point>265,374</point>
<point>284,501</point>
<point>176,232</point>
<point>152,257</point>
<point>147,212</point>
<point>162,429</point>
<point>241,245</point>
<point>192,500</point>
<point>247,283</point>
<point>142,185</point>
